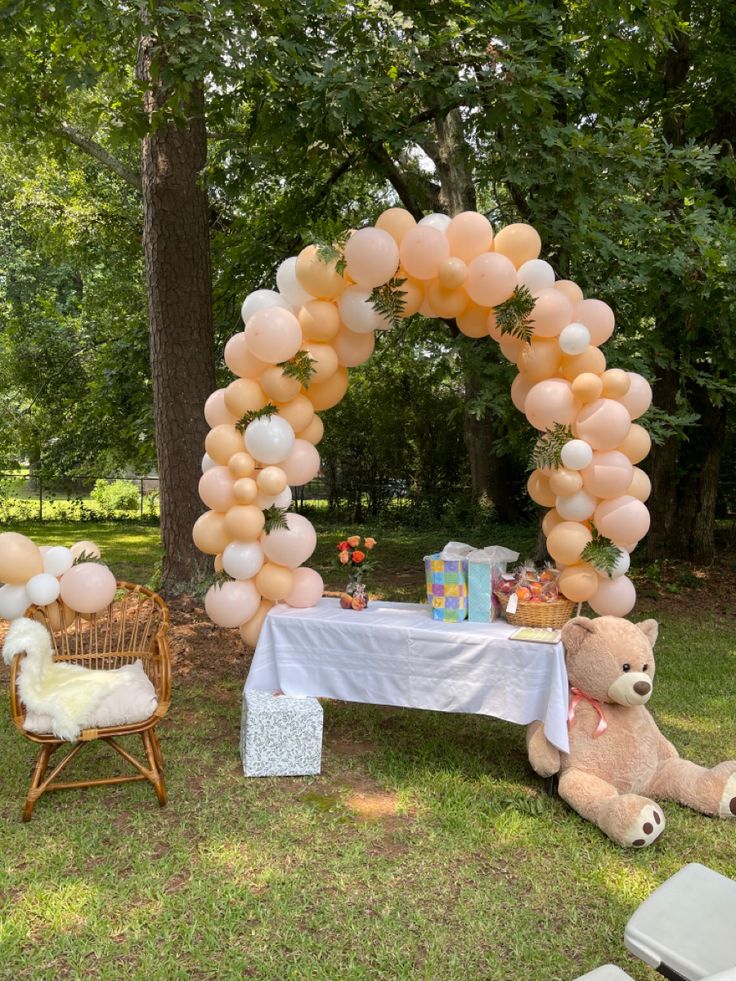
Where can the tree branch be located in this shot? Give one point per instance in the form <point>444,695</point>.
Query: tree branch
<point>94,149</point>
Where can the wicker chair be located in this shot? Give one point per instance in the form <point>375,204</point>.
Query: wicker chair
<point>134,627</point>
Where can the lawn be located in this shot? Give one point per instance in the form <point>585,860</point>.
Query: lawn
<point>426,849</point>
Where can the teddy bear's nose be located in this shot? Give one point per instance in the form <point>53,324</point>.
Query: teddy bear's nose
<point>642,687</point>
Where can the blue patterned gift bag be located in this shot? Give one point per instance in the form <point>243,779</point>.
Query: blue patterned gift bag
<point>447,587</point>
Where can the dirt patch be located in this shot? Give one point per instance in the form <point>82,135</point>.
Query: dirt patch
<point>373,806</point>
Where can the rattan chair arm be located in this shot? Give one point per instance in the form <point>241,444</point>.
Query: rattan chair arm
<point>17,709</point>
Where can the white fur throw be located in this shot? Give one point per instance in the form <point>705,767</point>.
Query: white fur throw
<point>65,698</point>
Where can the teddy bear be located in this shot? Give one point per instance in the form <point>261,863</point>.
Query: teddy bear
<point>618,758</point>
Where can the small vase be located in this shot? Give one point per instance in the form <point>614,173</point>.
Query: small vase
<point>357,589</point>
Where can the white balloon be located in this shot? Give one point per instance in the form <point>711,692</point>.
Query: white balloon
<point>58,560</point>
<point>43,589</point>
<point>576,507</point>
<point>259,300</point>
<point>14,601</point>
<point>269,439</point>
<point>574,338</point>
<point>292,545</point>
<point>207,463</point>
<point>242,560</point>
<point>357,312</point>
<point>436,220</point>
<point>576,454</point>
<point>284,499</point>
<point>289,286</point>
<point>536,275</point>
<point>620,568</point>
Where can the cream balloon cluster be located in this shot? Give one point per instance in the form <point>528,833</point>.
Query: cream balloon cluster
<point>66,581</point>
<point>325,313</point>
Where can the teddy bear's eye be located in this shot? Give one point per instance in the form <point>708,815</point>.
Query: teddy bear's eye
<point>627,667</point>
<point>644,667</point>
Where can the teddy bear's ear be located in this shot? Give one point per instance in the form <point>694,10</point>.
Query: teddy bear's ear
<point>650,629</point>
<point>575,631</point>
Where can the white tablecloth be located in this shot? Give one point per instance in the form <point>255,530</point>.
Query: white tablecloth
<point>396,654</point>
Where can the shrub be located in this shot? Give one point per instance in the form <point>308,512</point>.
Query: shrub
<point>116,495</point>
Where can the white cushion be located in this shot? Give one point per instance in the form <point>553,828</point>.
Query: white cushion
<point>133,701</point>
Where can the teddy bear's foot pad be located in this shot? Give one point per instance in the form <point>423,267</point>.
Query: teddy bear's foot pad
<point>645,828</point>
<point>727,807</point>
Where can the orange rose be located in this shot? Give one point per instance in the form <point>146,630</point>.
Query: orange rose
<point>353,541</point>
<point>369,543</point>
<point>344,558</point>
<point>358,556</point>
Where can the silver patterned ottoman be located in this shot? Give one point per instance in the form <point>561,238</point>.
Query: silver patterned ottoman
<point>280,735</point>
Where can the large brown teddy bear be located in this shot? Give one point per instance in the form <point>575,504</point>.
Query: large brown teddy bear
<point>618,758</point>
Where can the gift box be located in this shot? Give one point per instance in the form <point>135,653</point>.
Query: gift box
<point>280,735</point>
<point>447,587</point>
<point>485,568</point>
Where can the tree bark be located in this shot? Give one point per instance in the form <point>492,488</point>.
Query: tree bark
<point>663,473</point>
<point>179,279</point>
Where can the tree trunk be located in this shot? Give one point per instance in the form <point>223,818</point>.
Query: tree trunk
<point>663,473</point>
<point>178,275</point>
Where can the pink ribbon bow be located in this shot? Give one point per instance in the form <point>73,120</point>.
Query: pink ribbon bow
<point>579,696</point>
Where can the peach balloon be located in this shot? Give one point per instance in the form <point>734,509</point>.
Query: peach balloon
<point>603,423</point>
<point>422,250</point>
<point>314,432</point>
<point>59,616</point>
<point>519,242</point>
<point>511,347</point>
<point>216,488</point>
<point>447,303</point>
<point>469,234</point>
<point>353,349</point>
<point>240,359</point>
<point>550,521</point>
<point>241,464</point>
<point>215,410</point>
<point>319,320</point>
<point>571,290</point>
<point>452,273</point>
<point>329,393</point>
<point>638,398</point>
<point>274,582</point>
<point>271,480</point>
<point>20,558</point>
<point>210,534</point>
<point>540,359</point>
<point>293,545</point>
<point>616,383</point>
<point>552,311</point>
<point>640,486</point>
<point>279,386</point>
<point>413,291</point>
<point>473,321</point>
<point>608,475</point>
<point>579,582</point>
<point>549,402</point>
<point>491,279</point>
<point>566,541</point>
<point>273,335</point>
<point>306,590</point>
<point>397,222</point>
<point>222,442</point>
<point>244,395</point>
<point>302,464</point>
<point>587,387</point>
<point>230,604</point>
<point>614,597</point>
<point>298,412</point>
<point>324,361</point>
<point>636,444</point>
<point>622,519</point>
<point>371,256</point>
<point>591,361</point>
<point>520,388</point>
<point>598,318</point>
<point>88,588</point>
<point>245,490</point>
<point>565,482</point>
<point>538,489</point>
<point>319,278</point>
<point>251,631</point>
<point>244,522</point>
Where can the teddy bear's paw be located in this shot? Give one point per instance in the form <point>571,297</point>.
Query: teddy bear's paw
<point>646,827</point>
<point>727,807</point>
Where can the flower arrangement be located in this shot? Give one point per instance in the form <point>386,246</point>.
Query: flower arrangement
<point>352,555</point>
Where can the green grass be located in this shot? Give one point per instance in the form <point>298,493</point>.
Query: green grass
<point>426,849</point>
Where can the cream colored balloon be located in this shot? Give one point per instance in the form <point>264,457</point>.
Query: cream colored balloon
<point>244,522</point>
<point>518,242</point>
<point>210,534</point>
<point>540,359</point>
<point>637,443</point>
<point>271,480</point>
<point>563,482</point>
<point>222,442</point>
<point>615,383</point>
<point>587,387</point>
<point>353,349</point>
<point>640,486</point>
<point>279,386</point>
<point>319,278</point>
<point>571,290</point>
<point>329,393</point>
<point>251,630</point>
<point>592,361</point>
<point>245,490</point>
<point>298,412</point>
<point>314,432</point>
<point>447,302</point>
<point>539,490</point>
<point>244,395</point>
<point>324,361</point>
<point>473,321</point>
<point>550,521</point>
<point>241,464</point>
<point>319,320</point>
<point>397,222</point>
<point>274,582</point>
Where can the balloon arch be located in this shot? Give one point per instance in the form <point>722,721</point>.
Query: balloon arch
<point>292,359</point>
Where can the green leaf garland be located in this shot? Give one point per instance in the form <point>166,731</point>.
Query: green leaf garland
<point>548,447</point>
<point>301,367</point>
<point>275,519</point>
<point>389,300</point>
<point>602,553</point>
<point>513,316</point>
<point>249,417</point>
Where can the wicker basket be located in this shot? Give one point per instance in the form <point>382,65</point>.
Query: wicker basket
<point>554,614</point>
